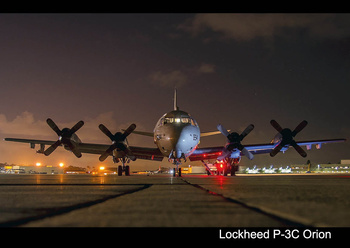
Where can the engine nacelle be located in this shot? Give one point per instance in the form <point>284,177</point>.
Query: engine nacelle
<point>277,139</point>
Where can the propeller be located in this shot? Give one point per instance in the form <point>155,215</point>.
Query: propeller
<point>235,140</point>
<point>64,137</point>
<point>288,138</point>
<point>118,141</point>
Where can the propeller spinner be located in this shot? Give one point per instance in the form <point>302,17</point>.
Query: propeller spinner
<point>288,138</point>
<point>64,137</point>
<point>118,141</point>
<point>235,140</point>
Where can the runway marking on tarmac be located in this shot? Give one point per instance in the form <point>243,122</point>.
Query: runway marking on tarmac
<point>64,210</point>
<point>285,221</point>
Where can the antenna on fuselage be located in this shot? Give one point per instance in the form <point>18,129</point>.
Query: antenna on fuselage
<point>175,101</point>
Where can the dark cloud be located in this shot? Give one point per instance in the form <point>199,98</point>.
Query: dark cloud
<point>245,27</point>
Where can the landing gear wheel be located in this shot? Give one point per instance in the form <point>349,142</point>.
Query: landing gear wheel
<point>127,170</point>
<point>233,170</point>
<point>178,172</point>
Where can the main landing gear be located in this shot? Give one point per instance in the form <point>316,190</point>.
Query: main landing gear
<point>123,168</point>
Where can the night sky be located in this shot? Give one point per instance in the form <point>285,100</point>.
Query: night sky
<point>118,69</point>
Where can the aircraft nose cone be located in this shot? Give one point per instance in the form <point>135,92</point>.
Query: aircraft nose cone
<point>185,141</point>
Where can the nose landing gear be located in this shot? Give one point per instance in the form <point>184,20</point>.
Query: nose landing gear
<point>177,169</point>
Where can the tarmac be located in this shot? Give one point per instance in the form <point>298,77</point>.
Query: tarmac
<point>160,200</point>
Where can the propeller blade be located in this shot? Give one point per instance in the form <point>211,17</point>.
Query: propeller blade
<point>53,126</point>
<point>247,131</point>
<point>53,147</point>
<point>76,127</point>
<point>300,127</point>
<point>77,153</point>
<point>276,150</point>
<point>118,142</point>
<point>299,149</point>
<point>129,130</point>
<point>74,149</point>
<point>276,125</point>
<point>108,152</point>
<point>106,131</point>
<point>222,130</point>
<point>247,153</point>
<point>103,156</point>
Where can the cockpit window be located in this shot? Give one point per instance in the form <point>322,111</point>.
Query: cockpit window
<point>193,122</point>
<point>168,120</point>
<point>184,120</point>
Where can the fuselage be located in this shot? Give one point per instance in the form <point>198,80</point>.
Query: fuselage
<point>176,134</point>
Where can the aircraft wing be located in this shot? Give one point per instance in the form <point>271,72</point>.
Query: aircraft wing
<point>139,152</point>
<point>214,152</point>
<point>31,141</point>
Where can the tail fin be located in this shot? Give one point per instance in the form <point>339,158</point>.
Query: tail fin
<point>175,101</point>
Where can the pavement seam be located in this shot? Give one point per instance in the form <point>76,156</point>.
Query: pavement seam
<point>63,210</point>
<point>283,220</point>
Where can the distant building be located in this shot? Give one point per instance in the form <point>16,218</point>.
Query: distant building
<point>40,169</point>
<point>21,169</point>
<point>74,170</point>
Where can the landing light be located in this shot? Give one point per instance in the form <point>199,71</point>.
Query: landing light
<point>61,164</point>
<point>102,167</point>
<point>38,164</point>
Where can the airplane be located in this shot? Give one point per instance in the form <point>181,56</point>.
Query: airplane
<point>177,137</point>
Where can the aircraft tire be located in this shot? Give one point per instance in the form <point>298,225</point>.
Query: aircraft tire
<point>127,170</point>
<point>233,171</point>
<point>120,170</point>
